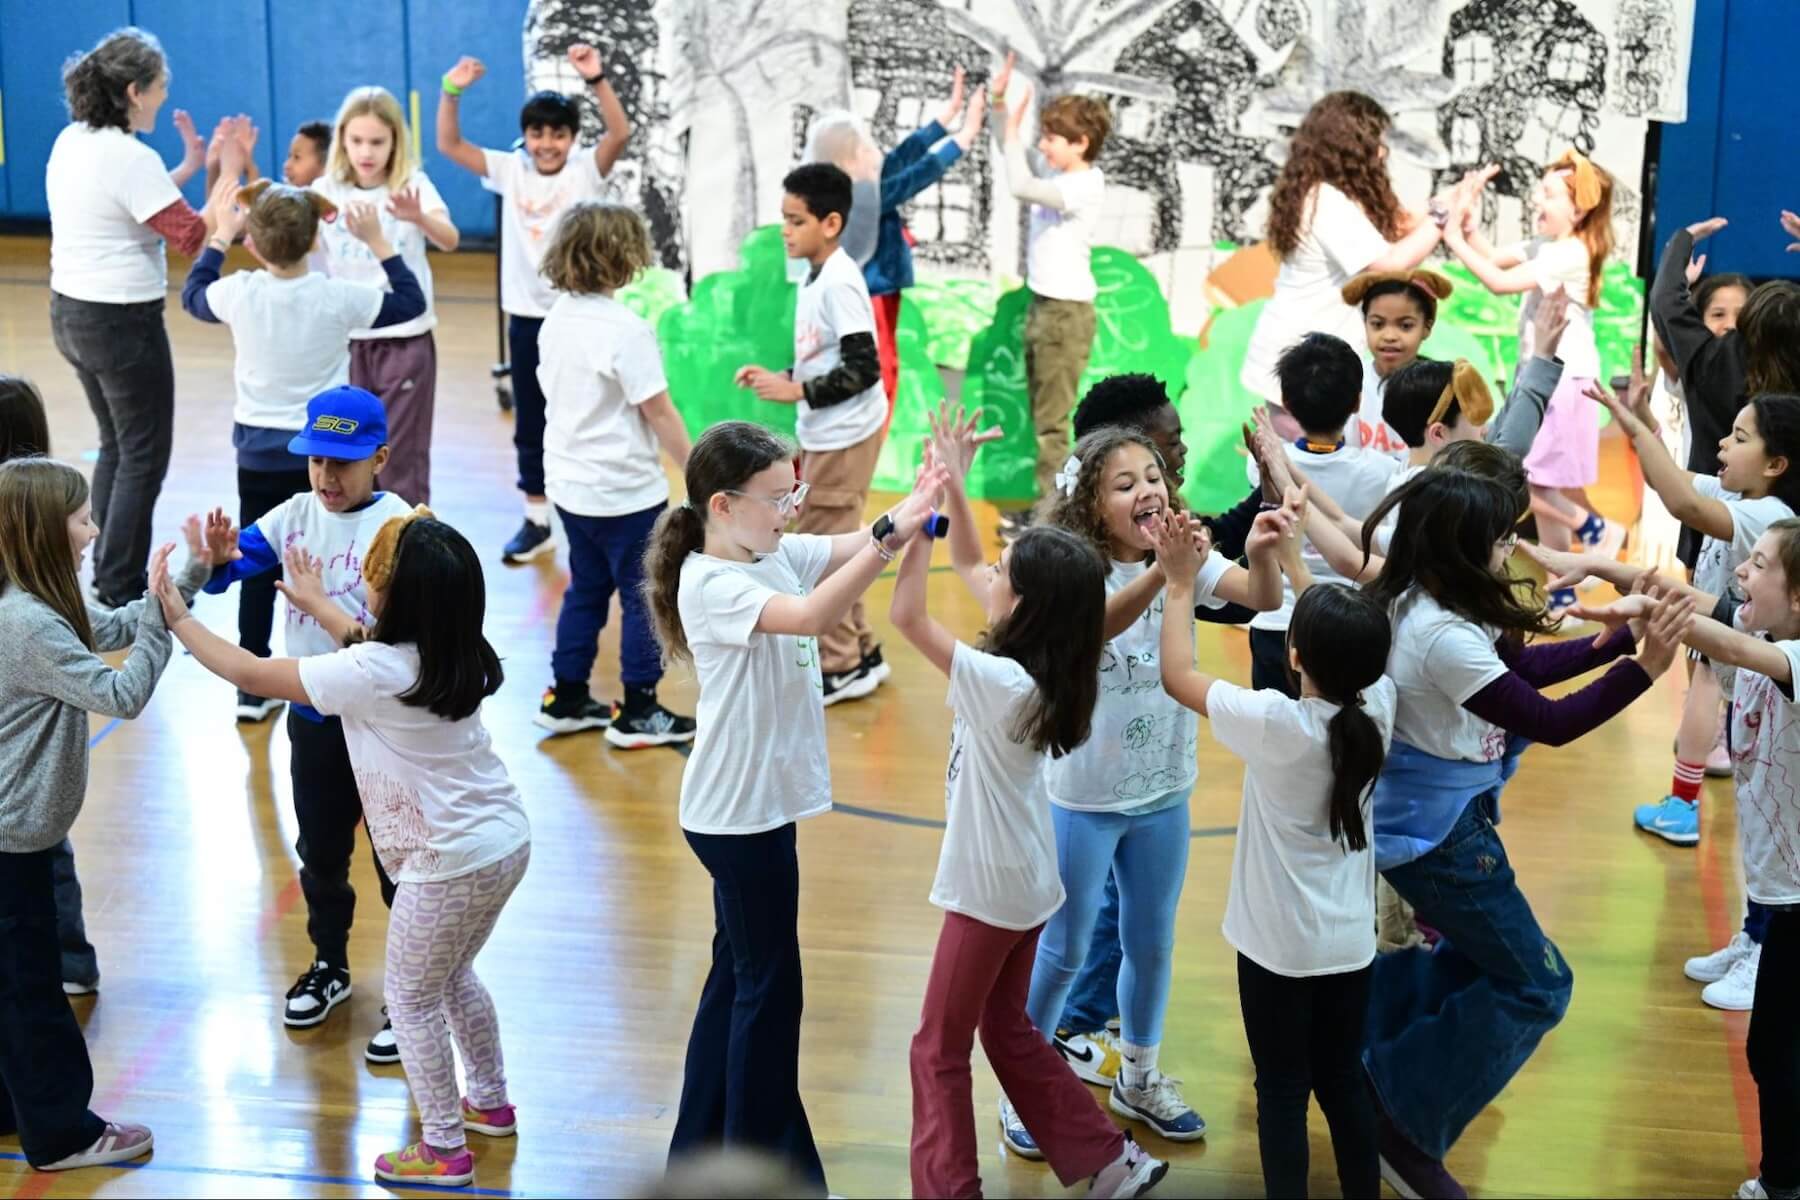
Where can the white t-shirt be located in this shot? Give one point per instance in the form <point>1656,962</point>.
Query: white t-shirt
<point>998,863</point>
<point>1143,744</point>
<point>1058,264</point>
<point>597,362</point>
<point>1358,480</point>
<point>437,799</point>
<point>531,204</point>
<point>759,753</point>
<point>1715,569</point>
<point>1765,752</point>
<point>292,338</point>
<point>1561,263</point>
<point>1300,903</point>
<point>833,304</point>
<point>1368,428</point>
<point>101,186</point>
<point>1438,661</point>
<point>350,259</point>
<point>1337,243</point>
<point>339,541</point>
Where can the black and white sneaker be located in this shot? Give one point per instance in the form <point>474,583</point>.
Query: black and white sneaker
<point>853,684</point>
<point>570,709</point>
<point>639,724</point>
<point>877,666</point>
<point>315,994</point>
<point>531,541</point>
<point>252,709</point>
<point>382,1048</point>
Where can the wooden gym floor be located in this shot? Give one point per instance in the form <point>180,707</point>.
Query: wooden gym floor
<point>185,851</point>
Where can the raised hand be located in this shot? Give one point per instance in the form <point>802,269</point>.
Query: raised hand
<point>1791,223</point>
<point>1549,321</point>
<point>193,534</point>
<point>301,582</point>
<point>246,132</point>
<point>1695,268</point>
<point>972,123</point>
<point>222,132</point>
<point>1181,544</point>
<point>1701,230</point>
<point>1669,623</point>
<point>1563,568</point>
<point>954,105</point>
<point>1637,391</point>
<point>404,205</point>
<point>364,224</point>
<point>193,150</point>
<point>1628,420</point>
<point>1634,607</point>
<point>468,70</point>
<point>1002,78</point>
<point>221,539</point>
<point>586,60</point>
<point>162,586</point>
<point>927,495</point>
<point>221,216</point>
<point>1015,113</point>
<point>957,438</point>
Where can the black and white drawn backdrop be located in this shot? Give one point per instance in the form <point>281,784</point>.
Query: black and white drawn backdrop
<point>1203,94</point>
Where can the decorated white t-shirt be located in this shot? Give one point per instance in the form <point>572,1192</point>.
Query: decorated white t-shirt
<point>348,258</point>
<point>437,799</point>
<point>1337,242</point>
<point>1563,263</point>
<point>292,338</point>
<point>101,185</point>
<point>1765,753</point>
<point>1300,903</point>
<point>1439,660</point>
<point>1368,428</point>
<point>998,862</point>
<point>1715,569</point>
<point>832,305</point>
<point>1058,254</point>
<point>1358,480</point>
<point>759,753</point>
<point>1143,744</point>
<point>598,362</point>
<point>530,205</point>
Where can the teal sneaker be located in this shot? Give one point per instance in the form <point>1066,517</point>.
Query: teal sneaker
<point>1673,820</point>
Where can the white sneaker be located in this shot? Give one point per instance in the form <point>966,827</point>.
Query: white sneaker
<point>1159,1105</point>
<point>1094,1057</point>
<point>1014,1136</point>
<point>1710,968</point>
<point>1751,1189</point>
<point>118,1143</point>
<point>1737,991</point>
<point>1133,1173</point>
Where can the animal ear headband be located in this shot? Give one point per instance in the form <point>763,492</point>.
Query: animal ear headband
<point>384,548</point>
<point>1584,176</point>
<point>1427,281</point>
<point>1466,387</point>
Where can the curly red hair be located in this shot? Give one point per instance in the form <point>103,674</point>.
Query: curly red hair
<point>1338,142</point>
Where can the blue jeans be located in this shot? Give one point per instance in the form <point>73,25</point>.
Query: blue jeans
<point>1094,998</point>
<point>1148,857</point>
<point>1449,1029</point>
<point>606,554</point>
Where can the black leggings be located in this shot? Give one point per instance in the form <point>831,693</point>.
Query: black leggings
<point>1774,1051</point>
<point>1306,1038</point>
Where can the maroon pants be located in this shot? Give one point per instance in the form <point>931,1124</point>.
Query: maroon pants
<point>979,977</point>
<point>403,372</point>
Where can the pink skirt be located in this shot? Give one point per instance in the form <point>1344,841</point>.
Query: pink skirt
<point>1566,451</point>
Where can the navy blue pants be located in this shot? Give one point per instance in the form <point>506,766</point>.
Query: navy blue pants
<point>606,555</point>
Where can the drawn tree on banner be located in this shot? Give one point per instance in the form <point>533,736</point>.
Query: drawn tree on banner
<point>1213,76</point>
<point>651,170</point>
<point>904,77</point>
<point>746,52</point>
<point>1531,80</point>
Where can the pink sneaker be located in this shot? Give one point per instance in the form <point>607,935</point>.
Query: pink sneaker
<point>420,1164</point>
<point>495,1122</point>
<point>117,1143</point>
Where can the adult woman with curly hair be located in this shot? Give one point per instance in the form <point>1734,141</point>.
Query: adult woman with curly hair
<point>112,203</point>
<point>1332,215</point>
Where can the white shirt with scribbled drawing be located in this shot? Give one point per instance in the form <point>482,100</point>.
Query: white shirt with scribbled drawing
<point>338,542</point>
<point>438,800</point>
<point>1143,743</point>
<point>531,203</point>
<point>1765,753</point>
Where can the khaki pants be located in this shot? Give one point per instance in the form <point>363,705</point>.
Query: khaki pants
<point>1059,334</point>
<point>839,482</point>
<point>1395,928</point>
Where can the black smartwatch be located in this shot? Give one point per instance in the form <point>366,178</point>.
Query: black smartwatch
<point>883,529</point>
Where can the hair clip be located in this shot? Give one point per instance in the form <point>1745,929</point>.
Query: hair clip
<point>1069,476</point>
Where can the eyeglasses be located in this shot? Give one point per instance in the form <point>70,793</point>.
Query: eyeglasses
<point>784,506</point>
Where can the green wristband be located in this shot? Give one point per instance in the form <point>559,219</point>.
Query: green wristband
<point>450,89</point>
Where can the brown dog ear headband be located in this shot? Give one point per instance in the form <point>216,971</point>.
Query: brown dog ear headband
<point>1584,178</point>
<point>384,548</point>
<point>1426,281</point>
<point>1466,387</point>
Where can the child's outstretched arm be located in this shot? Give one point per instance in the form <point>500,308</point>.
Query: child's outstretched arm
<point>226,220</point>
<point>450,142</point>
<point>586,61</point>
<point>1500,278</point>
<point>1723,644</point>
<point>908,612</point>
<point>1678,323</point>
<point>1671,481</point>
<point>1185,683</point>
<point>276,678</point>
<point>193,150</point>
<point>915,164</point>
<point>304,588</point>
<point>1021,180</point>
<point>53,662</point>
<point>1259,587</point>
<point>954,442</point>
<point>436,225</point>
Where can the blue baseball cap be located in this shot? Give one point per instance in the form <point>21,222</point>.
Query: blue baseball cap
<point>345,423</point>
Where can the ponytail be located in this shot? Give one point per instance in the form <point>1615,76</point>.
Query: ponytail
<point>1356,758</point>
<point>679,532</point>
<point>1341,636</point>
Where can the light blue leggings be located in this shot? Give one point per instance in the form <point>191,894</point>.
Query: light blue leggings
<point>1148,857</point>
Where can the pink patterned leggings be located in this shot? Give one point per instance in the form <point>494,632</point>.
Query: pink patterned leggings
<point>434,933</point>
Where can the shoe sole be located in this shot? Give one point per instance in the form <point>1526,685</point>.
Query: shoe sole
<point>853,691</point>
<point>254,716</point>
<point>1125,1110</point>
<point>562,725</point>
<point>319,1017</point>
<point>382,1060</point>
<point>537,551</point>
<point>491,1130</point>
<point>1007,1148</point>
<point>1156,1176</point>
<point>1725,1007</point>
<point>1720,772</point>
<point>1674,839</point>
<point>425,1181</point>
<point>92,989</point>
<point>1397,1181</point>
<point>881,674</point>
<point>1705,978</point>
<point>644,741</point>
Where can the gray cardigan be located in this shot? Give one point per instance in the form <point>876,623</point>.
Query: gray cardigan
<point>49,682</point>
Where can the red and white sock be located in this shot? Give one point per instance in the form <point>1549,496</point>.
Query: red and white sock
<point>1688,778</point>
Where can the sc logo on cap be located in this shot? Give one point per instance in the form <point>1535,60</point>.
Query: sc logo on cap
<point>343,425</point>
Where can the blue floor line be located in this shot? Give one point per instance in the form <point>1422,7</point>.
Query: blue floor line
<point>293,1177</point>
